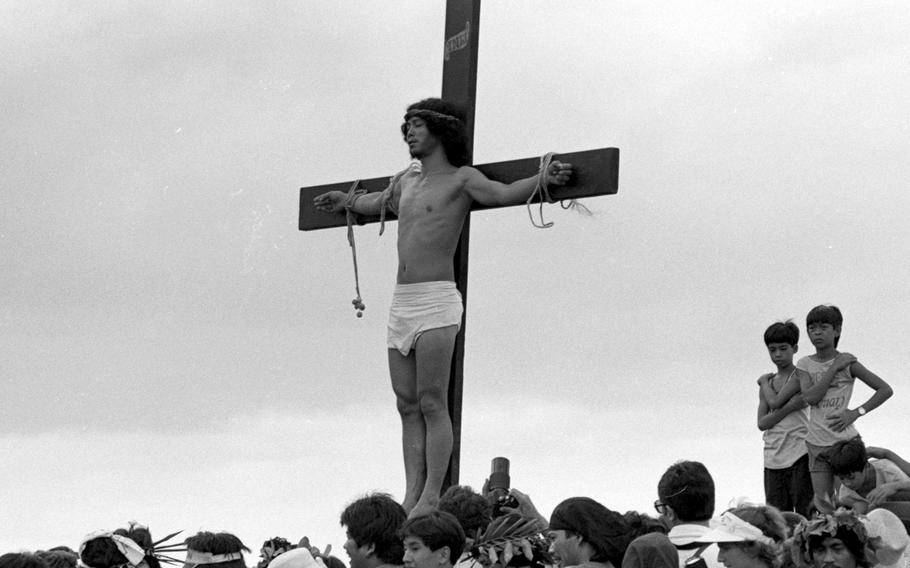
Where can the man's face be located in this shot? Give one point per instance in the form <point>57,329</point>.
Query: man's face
<point>419,138</point>
<point>565,547</point>
<point>419,555</point>
<point>733,555</point>
<point>781,354</point>
<point>358,555</point>
<point>832,553</point>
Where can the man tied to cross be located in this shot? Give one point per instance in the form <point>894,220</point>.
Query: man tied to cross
<point>432,199</point>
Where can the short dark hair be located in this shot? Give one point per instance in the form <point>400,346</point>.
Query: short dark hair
<point>218,543</point>
<point>848,456</point>
<point>688,488</point>
<point>447,122</point>
<point>375,519</point>
<point>471,509</point>
<point>436,529</point>
<point>826,314</point>
<point>21,560</point>
<point>56,558</point>
<point>782,332</point>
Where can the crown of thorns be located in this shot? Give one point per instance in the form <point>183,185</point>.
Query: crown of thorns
<point>423,113</point>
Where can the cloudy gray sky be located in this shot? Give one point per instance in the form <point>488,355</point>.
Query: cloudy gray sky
<point>174,351</point>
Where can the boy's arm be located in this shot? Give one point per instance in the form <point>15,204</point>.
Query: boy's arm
<point>886,454</point>
<point>771,418</point>
<point>812,394</point>
<point>883,392</point>
<point>488,192</point>
<point>776,400</point>
<point>334,202</point>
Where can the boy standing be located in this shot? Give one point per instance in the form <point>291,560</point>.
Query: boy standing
<point>431,200</point>
<point>784,421</point>
<point>827,387</point>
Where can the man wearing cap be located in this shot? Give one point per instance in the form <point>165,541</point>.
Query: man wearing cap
<point>685,501</point>
<point>584,533</point>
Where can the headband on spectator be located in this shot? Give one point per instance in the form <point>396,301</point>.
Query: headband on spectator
<point>195,557</point>
<point>127,546</point>
<point>733,529</point>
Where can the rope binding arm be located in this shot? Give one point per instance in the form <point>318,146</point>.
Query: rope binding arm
<point>542,193</point>
<point>353,194</point>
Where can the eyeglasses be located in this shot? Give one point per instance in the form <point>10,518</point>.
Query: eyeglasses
<point>662,507</point>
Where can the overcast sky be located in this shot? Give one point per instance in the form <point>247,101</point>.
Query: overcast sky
<point>176,352</point>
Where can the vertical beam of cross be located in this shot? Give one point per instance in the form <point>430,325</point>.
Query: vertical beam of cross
<point>459,85</point>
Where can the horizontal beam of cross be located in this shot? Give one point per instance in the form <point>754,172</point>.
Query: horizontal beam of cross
<point>596,173</point>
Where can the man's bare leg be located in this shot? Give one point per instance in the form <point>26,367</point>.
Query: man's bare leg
<point>403,371</point>
<point>434,361</point>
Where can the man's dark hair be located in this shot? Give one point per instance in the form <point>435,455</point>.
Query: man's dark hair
<point>826,314</point>
<point>102,552</point>
<point>218,543</point>
<point>21,560</point>
<point>436,529</point>
<point>782,332</point>
<point>56,558</point>
<point>447,122</point>
<point>850,539</point>
<point>143,537</point>
<point>375,519</point>
<point>607,532</point>
<point>848,456</point>
<point>471,509</point>
<point>688,488</point>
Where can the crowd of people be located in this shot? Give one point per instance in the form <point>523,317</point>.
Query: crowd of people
<point>484,530</point>
<point>831,502</point>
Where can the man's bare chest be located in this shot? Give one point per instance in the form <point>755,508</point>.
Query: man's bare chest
<point>431,197</point>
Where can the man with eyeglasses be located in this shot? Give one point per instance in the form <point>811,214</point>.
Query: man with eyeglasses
<point>686,503</point>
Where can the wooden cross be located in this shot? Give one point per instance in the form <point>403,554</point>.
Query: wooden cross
<point>596,172</point>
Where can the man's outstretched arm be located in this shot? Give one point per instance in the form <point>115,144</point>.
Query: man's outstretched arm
<point>488,192</point>
<point>334,202</point>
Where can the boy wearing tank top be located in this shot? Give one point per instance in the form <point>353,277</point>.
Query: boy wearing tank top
<point>784,421</point>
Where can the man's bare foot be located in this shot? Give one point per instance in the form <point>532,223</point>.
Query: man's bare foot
<point>423,507</point>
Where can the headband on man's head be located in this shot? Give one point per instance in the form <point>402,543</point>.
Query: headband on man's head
<point>194,557</point>
<point>734,529</point>
<point>126,546</point>
<point>425,112</point>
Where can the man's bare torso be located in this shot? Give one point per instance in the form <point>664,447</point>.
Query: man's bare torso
<point>431,213</point>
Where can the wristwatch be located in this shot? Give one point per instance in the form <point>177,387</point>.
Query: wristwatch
<point>861,410</point>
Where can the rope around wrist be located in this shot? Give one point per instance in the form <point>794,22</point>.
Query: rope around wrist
<point>541,191</point>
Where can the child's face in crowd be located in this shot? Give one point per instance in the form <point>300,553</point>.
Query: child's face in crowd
<point>781,354</point>
<point>418,555</point>
<point>822,335</point>
<point>853,480</point>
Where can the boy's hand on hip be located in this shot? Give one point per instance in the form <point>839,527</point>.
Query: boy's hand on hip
<point>842,419</point>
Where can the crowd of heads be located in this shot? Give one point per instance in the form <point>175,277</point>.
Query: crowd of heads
<point>466,529</point>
